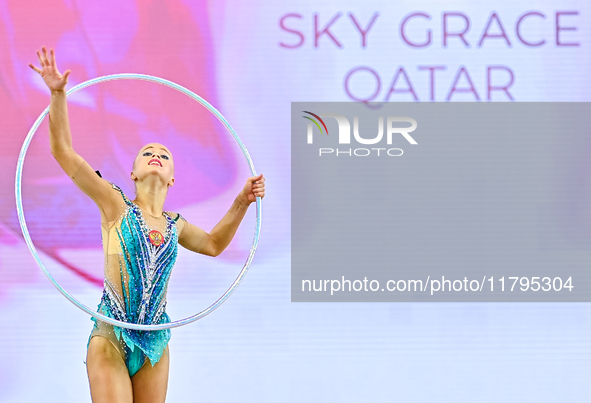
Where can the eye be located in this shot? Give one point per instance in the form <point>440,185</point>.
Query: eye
<point>147,154</point>
<point>164,156</point>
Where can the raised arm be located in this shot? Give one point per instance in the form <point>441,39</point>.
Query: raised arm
<point>60,139</point>
<point>214,243</point>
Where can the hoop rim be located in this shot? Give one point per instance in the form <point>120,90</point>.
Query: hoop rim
<point>29,242</point>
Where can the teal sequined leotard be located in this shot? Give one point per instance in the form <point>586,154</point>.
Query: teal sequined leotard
<point>137,271</point>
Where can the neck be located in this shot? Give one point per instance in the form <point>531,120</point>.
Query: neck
<point>150,196</point>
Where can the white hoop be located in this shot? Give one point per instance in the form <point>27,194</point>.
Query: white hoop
<point>21,217</point>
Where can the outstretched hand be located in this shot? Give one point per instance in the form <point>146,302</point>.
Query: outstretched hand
<point>49,72</point>
<point>255,187</point>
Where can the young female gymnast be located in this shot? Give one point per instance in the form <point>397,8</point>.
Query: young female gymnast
<point>140,245</point>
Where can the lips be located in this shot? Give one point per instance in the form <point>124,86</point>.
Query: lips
<point>154,161</point>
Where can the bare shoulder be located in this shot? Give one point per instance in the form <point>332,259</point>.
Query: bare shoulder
<point>178,219</point>
<point>107,196</point>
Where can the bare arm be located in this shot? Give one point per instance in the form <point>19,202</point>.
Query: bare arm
<point>214,243</point>
<point>60,140</point>
<point>60,137</point>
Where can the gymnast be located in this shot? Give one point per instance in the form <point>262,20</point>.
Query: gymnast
<point>140,245</point>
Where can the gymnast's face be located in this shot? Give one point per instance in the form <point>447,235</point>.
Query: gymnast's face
<point>154,159</point>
